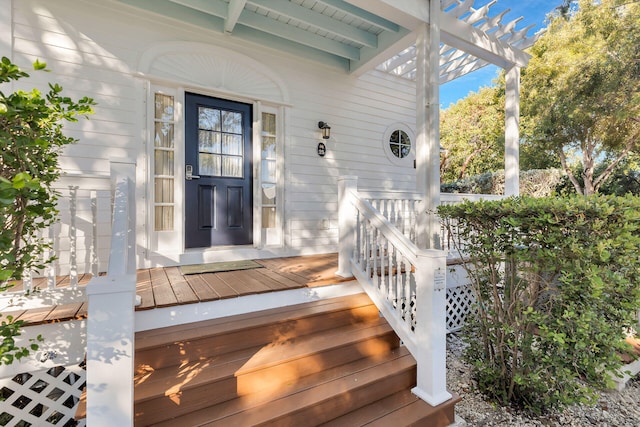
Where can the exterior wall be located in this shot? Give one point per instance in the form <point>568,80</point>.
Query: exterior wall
<point>94,48</point>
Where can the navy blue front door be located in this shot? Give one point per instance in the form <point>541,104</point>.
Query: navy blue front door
<point>218,172</point>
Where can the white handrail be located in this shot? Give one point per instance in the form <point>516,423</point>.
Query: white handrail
<point>407,284</point>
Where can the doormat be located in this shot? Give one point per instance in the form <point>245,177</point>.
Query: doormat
<point>216,267</point>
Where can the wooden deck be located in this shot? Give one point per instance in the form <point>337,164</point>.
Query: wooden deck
<point>167,286</point>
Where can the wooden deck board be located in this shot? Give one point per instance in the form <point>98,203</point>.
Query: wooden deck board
<point>242,283</point>
<point>144,290</point>
<point>283,280</point>
<point>162,292</point>
<point>166,286</point>
<point>201,287</point>
<point>221,288</point>
<point>63,312</point>
<point>181,289</point>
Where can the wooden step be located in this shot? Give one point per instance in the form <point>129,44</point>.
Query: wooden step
<point>315,403</point>
<point>399,409</point>
<point>181,344</point>
<point>334,361</point>
<point>173,391</point>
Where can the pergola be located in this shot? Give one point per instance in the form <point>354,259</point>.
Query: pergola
<point>428,41</point>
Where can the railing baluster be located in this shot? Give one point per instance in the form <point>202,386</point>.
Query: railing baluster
<point>51,268</point>
<point>73,263</point>
<point>94,234</point>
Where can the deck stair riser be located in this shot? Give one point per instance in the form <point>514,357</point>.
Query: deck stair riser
<point>299,365</point>
<point>185,343</point>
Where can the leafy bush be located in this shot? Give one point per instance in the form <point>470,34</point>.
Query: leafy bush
<point>557,281</point>
<point>534,183</point>
<point>30,138</point>
<point>30,141</point>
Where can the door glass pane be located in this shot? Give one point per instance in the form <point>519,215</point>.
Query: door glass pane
<point>231,122</point>
<point>163,162</point>
<point>232,166</point>
<point>268,171</point>
<point>209,142</point>
<point>268,194</point>
<point>232,144</point>
<point>268,147</point>
<point>268,217</point>
<point>209,118</point>
<point>164,135</point>
<point>209,164</point>
<point>268,123</point>
<point>163,218</point>
<point>163,107</point>
<point>164,190</point>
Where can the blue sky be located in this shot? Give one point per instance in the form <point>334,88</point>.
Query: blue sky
<point>532,11</point>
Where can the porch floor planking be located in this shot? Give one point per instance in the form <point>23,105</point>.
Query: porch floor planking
<point>166,286</point>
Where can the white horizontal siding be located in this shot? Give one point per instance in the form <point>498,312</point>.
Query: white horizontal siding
<point>93,49</point>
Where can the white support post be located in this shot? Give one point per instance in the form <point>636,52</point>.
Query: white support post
<point>111,320</point>
<point>431,333</point>
<point>512,133</point>
<point>110,351</point>
<point>428,129</point>
<point>346,224</point>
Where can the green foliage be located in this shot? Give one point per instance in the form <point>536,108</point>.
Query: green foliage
<point>30,139</point>
<point>472,134</point>
<point>581,89</point>
<point>557,281</point>
<point>534,183</point>
<point>9,330</point>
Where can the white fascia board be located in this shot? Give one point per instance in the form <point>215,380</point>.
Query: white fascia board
<point>461,35</point>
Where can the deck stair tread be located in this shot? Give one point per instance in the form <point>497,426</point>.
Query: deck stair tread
<point>333,361</point>
<point>399,409</point>
<point>228,325</point>
<point>150,382</point>
<point>396,372</point>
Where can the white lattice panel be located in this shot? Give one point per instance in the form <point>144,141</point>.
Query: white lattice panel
<point>42,398</point>
<point>460,302</point>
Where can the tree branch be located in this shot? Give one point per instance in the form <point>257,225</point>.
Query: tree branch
<point>567,169</point>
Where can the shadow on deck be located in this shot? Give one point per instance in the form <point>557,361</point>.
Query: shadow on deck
<point>167,286</point>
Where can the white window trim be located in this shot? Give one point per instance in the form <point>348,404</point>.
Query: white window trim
<point>405,161</point>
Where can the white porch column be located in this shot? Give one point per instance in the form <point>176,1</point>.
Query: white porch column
<point>346,224</point>
<point>428,129</point>
<point>431,331</point>
<point>512,133</point>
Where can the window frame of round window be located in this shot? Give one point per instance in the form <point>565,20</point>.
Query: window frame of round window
<point>386,145</point>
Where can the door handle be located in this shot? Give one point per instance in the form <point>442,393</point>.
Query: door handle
<point>189,173</point>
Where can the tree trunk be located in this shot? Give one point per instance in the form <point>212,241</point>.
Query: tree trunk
<point>468,160</point>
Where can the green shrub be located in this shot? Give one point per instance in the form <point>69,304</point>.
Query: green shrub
<point>534,183</point>
<point>557,281</point>
<point>31,138</point>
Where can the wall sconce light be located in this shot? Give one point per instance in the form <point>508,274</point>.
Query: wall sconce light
<point>326,130</point>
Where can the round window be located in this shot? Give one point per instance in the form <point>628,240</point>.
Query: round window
<point>398,144</point>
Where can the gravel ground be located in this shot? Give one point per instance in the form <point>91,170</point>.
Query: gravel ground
<point>614,409</point>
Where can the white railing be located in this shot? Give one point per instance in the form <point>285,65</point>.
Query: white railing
<point>79,238</point>
<point>407,284</point>
<point>110,324</point>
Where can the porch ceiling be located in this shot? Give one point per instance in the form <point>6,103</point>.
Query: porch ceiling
<point>359,35</point>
